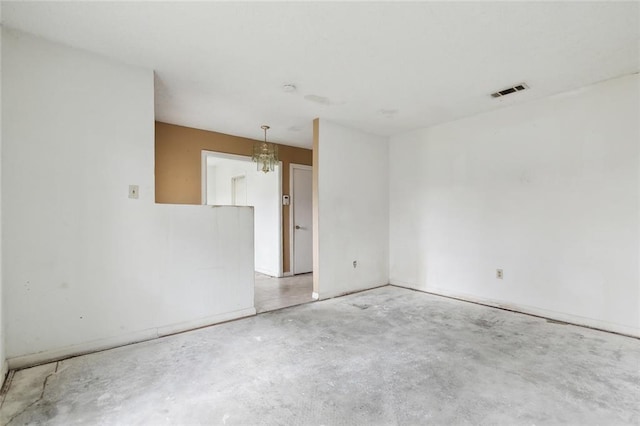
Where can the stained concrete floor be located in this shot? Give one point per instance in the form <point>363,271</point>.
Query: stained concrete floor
<point>276,293</point>
<point>385,356</point>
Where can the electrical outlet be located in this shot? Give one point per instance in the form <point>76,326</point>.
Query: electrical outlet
<point>133,191</point>
<point>355,263</point>
<point>499,274</point>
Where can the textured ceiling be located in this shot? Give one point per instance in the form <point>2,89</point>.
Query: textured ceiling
<point>384,68</point>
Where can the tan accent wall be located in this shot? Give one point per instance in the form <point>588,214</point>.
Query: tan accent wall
<point>178,162</point>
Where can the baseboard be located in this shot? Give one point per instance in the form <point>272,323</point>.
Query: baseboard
<point>287,274</point>
<point>44,357</point>
<point>30,360</point>
<point>275,274</point>
<point>528,310</point>
<point>204,322</point>
<point>331,295</point>
<point>3,373</point>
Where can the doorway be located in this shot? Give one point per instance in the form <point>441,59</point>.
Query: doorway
<point>233,180</point>
<point>277,293</point>
<point>229,179</point>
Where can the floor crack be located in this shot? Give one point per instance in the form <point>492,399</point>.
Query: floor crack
<point>44,385</point>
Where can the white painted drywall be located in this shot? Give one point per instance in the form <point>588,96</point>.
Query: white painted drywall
<point>353,216</point>
<point>224,172</point>
<point>263,193</point>
<point>211,185</point>
<point>548,191</point>
<point>85,267</point>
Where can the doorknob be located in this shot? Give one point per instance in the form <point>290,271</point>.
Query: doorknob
<point>298,227</point>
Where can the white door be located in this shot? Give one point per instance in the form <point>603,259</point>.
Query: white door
<point>301,189</point>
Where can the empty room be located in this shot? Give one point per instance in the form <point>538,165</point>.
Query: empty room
<point>319,213</point>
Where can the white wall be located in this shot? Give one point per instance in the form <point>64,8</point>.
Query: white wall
<point>225,171</point>
<point>548,191</point>
<point>86,267</point>
<point>263,193</point>
<point>211,185</point>
<point>353,216</point>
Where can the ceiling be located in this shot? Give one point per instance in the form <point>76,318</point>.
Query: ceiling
<point>384,68</point>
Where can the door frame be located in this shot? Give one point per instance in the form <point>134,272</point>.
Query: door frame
<point>292,255</point>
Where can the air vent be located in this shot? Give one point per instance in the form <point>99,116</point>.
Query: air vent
<point>519,88</point>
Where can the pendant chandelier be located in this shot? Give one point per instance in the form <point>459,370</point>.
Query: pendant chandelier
<point>265,155</point>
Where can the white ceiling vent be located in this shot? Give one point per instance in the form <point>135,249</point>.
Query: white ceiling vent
<point>518,88</point>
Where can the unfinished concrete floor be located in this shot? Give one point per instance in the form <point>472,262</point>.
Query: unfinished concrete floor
<point>276,293</point>
<point>385,356</point>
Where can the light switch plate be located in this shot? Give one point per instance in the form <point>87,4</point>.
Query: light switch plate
<point>133,191</point>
